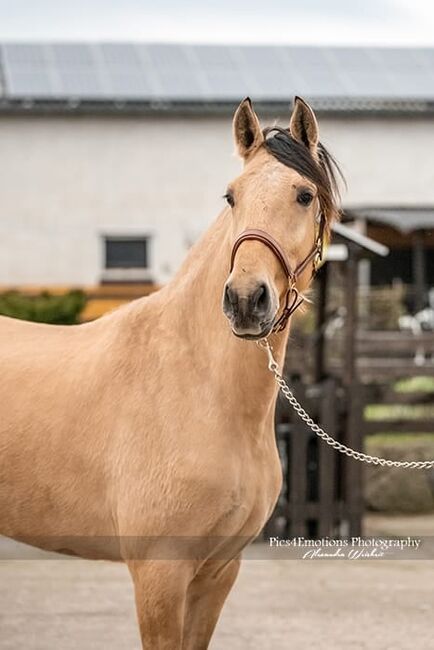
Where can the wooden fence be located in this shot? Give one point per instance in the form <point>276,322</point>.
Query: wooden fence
<point>322,490</point>
<point>385,357</point>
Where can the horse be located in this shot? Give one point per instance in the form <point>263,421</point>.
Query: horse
<point>147,436</point>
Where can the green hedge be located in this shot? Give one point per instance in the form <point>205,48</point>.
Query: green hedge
<point>45,308</point>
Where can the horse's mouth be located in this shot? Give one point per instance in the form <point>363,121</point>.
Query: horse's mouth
<point>265,331</point>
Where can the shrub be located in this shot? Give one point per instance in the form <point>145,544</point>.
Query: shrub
<point>44,308</point>
<point>391,490</point>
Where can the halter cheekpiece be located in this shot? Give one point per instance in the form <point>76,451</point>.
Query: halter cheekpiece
<point>293,298</point>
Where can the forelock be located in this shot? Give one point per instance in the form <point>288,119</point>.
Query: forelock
<point>324,173</point>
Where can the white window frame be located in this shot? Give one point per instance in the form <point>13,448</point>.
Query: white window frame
<point>132,274</point>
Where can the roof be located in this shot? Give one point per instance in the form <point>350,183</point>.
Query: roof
<point>404,219</point>
<point>345,235</point>
<point>206,77</point>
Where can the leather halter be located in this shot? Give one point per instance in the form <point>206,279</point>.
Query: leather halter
<point>293,298</point>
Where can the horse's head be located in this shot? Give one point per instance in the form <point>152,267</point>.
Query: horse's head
<point>282,207</point>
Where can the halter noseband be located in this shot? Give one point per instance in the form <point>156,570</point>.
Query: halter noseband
<point>293,298</point>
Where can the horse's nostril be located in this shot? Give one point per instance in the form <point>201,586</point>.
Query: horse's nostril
<point>247,308</point>
<point>261,298</point>
<point>230,297</point>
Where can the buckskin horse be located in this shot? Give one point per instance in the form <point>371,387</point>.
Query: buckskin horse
<point>155,422</point>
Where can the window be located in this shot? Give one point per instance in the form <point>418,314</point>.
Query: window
<point>126,253</point>
<point>126,258</point>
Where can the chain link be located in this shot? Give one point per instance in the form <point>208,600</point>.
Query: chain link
<point>341,448</point>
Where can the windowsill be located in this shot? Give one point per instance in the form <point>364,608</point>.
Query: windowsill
<point>126,275</point>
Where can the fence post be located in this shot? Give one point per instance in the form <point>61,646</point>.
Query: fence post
<point>329,413</point>
<point>353,471</point>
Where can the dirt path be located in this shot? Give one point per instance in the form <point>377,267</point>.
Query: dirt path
<point>72,604</point>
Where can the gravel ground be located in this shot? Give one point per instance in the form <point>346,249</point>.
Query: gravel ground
<point>276,603</point>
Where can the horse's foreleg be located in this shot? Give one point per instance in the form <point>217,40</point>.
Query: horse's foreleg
<point>205,599</point>
<point>160,591</point>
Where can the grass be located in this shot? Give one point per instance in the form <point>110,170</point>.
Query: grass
<point>415,384</point>
<point>399,438</point>
<point>399,411</point>
<point>409,412</point>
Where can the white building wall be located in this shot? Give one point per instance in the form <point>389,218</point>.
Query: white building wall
<point>67,181</point>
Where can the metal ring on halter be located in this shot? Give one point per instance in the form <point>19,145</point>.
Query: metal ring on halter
<point>288,309</point>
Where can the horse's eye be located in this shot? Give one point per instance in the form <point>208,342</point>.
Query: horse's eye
<point>305,198</point>
<point>229,197</point>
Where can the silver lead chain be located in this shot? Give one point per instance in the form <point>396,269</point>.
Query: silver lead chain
<point>341,448</point>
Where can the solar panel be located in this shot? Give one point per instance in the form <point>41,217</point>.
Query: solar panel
<point>398,60</point>
<point>72,55</point>
<point>414,82</point>
<point>148,72</point>
<point>361,83</point>
<point>276,85</point>
<point>426,57</point>
<point>124,84</point>
<point>180,84</point>
<point>30,84</point>
<point>81,84</point>
<point>167,55</point>
<point>260,56</point>
<point>226,85</point>
<point>25,54</point>
<point>351,57</point>
<point>312,57</point>
<point>120,54</point>
<point>213,56</point>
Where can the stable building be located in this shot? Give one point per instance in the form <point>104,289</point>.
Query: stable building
<point>114,157</point>
<point>409,234</point>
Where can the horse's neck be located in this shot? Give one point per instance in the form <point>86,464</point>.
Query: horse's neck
<point>236,368</point>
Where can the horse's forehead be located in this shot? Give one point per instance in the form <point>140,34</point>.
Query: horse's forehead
<point>275,174</point>
<point>270,175</point>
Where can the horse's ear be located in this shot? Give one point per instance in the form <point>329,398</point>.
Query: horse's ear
<point>247,130</point>
<point>303,125</point>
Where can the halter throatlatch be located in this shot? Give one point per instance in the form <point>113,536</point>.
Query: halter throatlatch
<point>293,298</point>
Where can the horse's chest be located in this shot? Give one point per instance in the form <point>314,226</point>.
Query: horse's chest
<point>253,495</point>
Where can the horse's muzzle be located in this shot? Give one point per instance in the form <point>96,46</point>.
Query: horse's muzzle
<point>251,315</point>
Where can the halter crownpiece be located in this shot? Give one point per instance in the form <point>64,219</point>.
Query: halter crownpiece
<point>293,298</point>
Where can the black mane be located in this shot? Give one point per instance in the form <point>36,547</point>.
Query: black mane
<point>324,172</point>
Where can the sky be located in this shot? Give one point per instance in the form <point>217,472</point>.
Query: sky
<point>346,22</point>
